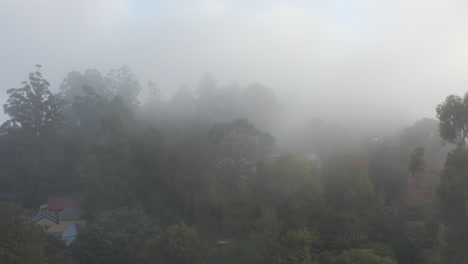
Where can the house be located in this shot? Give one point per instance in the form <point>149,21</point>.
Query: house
<point>61,217</point>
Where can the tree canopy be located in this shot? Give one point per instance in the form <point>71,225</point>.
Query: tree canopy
<point>453,116</point>
<point>198,177</point>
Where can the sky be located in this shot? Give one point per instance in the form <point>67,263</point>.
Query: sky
<point>337,59</point>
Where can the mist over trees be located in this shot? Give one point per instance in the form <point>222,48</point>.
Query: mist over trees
<point>164,177</point>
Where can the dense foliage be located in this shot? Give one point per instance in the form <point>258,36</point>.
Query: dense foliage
<point>162,181</point>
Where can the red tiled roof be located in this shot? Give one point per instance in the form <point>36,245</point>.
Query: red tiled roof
<point>58,204</point>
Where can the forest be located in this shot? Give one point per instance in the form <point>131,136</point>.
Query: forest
<point>204,176</point>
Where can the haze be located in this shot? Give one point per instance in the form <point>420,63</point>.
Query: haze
<point>222,132</point>
<point>335,59</point>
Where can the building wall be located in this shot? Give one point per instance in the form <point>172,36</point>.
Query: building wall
<point>47,223</point>
<point>69,234</point>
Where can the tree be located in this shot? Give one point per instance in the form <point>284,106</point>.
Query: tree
<point>425,133</point>
<point>387,171</point>
<point>361,256</point>
<point>416,239</point>
<point>179,244</point>
<point>154,94</point>
<point>259,241</point>
<point>352,216</point>
<point>86,112</point>
<point>33,108</point>
<point>298,245</point>
<point>347,184</point>
<point>34,128</point>
<point>185,178</point>
<point>114,237</point>
<point>453,207</point>
<point>107,169</point>
<point>453,116</point>
<point>124,83</point>
<point>417,162</point>
<point>75,82</point>
<point>292,185</point>
<point>148,148</point>
<point>240,140</point>
<point>419,199</point>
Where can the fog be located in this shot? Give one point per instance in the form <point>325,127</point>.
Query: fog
<point>261,131</point>
<point>392,61</point>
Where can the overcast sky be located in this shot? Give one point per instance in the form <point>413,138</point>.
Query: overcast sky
<point>365,58</point>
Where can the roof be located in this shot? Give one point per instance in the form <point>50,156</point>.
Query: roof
<point>70,213</point>
<point>58,204</point>
<point>45,214</point>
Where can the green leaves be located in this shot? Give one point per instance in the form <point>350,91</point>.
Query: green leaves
<point>33,130</point>
<point>239,140</point>
<point>114,237</point>
<point>361,256</point>
<point>106,170</point>
<point>123,82</point>
<point>347,184</point>
<point>33,107</point>
<point>453,195</point>
<point>453,116</point>
<point>179,244</point>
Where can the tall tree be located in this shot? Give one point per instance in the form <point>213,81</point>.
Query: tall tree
<point>179,244</point>
<point>453,195</point>
<point>361,256</point>
<point>124,83</point>
<point>291,184</point>
<point>107,169</point>
<point>34,126</point>
<point>347,183</point>
<point>453,116</point>
<point>240,140</point>
<point>154,94</point>
<point>114,237</point>
<point>33,108</point>
<point>86,111</point>
<point>452,191</point>
<point>75,82</point>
